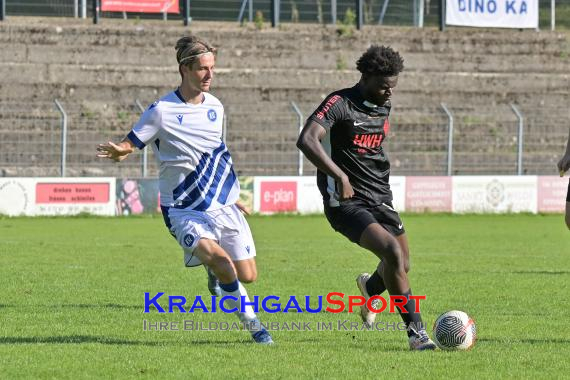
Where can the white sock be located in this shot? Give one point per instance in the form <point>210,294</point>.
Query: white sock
<point>248,315</point>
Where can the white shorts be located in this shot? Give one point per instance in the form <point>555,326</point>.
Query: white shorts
<point>227,226</point>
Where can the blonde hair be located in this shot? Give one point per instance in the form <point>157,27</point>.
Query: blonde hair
<point>190,48</point>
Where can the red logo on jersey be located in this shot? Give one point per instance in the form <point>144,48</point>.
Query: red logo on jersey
<point>386,127</point>
<point>368,141</point>
<point>321,114</point>
<point>372,140</point>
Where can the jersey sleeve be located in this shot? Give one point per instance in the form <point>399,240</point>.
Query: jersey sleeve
<point>146,129</point>
<point>329,112</point>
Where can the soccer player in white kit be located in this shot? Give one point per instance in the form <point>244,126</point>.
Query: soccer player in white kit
<point>199,189</point>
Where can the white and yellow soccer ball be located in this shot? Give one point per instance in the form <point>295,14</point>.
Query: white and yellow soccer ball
<point>454,330</point>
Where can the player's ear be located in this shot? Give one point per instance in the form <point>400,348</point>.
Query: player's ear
<point>365,79</point>
<point>186,69</point>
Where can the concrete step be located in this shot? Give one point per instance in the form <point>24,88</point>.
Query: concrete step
<point>234,97</point>
<point>299,85</point>
<point>29,73</point>
<point>154,34</point>
<point>324,58</point>
<point>541,117</point>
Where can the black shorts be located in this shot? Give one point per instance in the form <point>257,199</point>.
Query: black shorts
<point>352,218</point>
<point>568,192</point>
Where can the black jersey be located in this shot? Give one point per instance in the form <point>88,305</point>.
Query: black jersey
<point>356,130</point>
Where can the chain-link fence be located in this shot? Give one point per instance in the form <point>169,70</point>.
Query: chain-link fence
<point>418,142</point>
<point>30,139</point>
<point>89,126</point>
<point>263,145</point>
<point>546,131</point>
<point>385,12</point>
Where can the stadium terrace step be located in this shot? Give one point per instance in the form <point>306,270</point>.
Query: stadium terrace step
<point>233,97</point>
<point>438,85</point>
<point>11,125</point>
<point>24,73</point>
<point>151,34</point>
<point>324,59</point>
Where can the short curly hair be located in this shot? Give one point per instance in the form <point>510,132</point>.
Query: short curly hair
<point>380,60</point>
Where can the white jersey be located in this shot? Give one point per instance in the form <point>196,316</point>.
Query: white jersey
<point>196,170</point>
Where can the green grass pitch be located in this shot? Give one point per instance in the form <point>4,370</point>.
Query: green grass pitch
<point>72,297</point>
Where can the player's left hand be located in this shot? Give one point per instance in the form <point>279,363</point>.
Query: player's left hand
<point>564,164</point>
<point>345,190</point>
<point>243,208</point>
<point>115,152</point>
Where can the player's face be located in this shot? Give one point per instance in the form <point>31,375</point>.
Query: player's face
<point>379,89</point>
<point>199,76</point>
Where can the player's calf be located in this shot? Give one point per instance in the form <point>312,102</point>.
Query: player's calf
<point>215,258</point>
<point>213,283</point>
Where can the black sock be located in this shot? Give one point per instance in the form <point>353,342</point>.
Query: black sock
<point>412,319</point>
<point>375,284</point>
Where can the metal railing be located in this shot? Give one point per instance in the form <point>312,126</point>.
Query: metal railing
<point>63,136</point>
<point>301,120</point>
<point>449,139</point>
<point>37,141</point>
<point>519,138</point>
<point>418,13</point>
<point>145,150</point>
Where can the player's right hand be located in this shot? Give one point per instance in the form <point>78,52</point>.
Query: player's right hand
<point>345,190</point>
<point>243,208</point>
<point>113,151</point>
<point>564,164</point>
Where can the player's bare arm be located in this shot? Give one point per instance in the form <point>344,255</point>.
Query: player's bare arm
<point>564,163</point>
<point>243,208</point>
<point>309,143</point>
<point>116,152</point>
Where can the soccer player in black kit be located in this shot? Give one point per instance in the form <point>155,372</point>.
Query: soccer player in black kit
<point>563,166</point>
<point>343,139</point>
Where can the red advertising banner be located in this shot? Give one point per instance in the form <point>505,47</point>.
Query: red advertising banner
<point>140,6</point>
<point>72,192</point>
<point>278,196</point>
<point>552,193</point>
<point>428,194</point>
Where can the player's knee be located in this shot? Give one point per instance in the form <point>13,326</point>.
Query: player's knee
<point>394,256</point>
<point>247,278</point>
<point>247,273</point>
<point>220,263</point>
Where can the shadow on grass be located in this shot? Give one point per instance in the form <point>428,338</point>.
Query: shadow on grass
<point>95,306</point>
<point>553,272</point>
<point>79,339</point>
<point>526,340</point>
<point>80,306</point>
<point>75,339</point>
<point>220,342</point>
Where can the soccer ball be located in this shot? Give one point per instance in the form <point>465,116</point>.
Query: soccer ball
<point>454,330</point>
